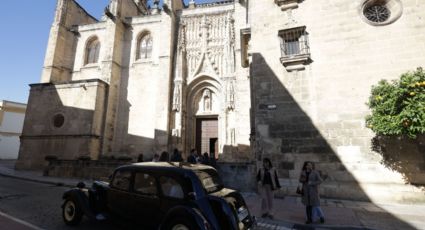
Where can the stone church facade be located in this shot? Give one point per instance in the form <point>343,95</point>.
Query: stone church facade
<point>241,80</point>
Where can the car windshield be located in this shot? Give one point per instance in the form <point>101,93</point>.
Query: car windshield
<point>210,180</point>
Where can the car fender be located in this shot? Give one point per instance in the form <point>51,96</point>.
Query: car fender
<point>82,199</point>
<point>227,210</point>
<point>200,220</point>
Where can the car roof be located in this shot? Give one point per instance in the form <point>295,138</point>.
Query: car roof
<point>166,166</point>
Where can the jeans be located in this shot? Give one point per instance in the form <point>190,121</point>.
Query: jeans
<point>317,213</point>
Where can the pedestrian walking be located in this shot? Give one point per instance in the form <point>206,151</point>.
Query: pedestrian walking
<point>268,182</point>
<point>310,179</point>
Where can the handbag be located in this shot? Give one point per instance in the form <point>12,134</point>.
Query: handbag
<point>300,190</point>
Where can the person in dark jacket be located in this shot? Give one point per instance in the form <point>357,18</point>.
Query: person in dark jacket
<point>268,182</point>
<point>310,179</point>
<point>165,157</point>
<point>192,157</point>
<point>205,159</point>
<point>140,157</point>
<point>176,157</point>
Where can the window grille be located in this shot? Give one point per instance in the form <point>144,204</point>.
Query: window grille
<point>294,42</point>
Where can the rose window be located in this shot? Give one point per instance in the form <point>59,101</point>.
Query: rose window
<point>377,13</point>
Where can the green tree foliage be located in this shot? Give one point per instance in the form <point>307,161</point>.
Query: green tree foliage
<point>398,107</point>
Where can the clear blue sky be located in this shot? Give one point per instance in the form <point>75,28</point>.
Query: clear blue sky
<point>24,33</point>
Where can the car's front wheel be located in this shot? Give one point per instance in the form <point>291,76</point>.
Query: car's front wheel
<point>71,212</point>
<point>181,224</point>
<point>180,227</point>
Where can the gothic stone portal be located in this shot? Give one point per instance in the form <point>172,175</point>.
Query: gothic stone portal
<point>203,100</point>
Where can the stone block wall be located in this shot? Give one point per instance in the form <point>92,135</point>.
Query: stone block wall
<point>79,130</point>
<point>83,169</point>
<point>317,113</point>
<point>240,176</point>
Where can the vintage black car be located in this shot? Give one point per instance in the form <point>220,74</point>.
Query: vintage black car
<point>161,195</point>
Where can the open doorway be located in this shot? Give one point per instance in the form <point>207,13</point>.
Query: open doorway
<point>207,135</point>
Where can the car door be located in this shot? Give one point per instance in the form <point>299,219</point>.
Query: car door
<point>173,192</point>
<point>145,202</point>
<point>119,193</point>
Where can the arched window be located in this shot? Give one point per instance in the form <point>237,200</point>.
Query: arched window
<point>92,51</point>
<point>144,47</point>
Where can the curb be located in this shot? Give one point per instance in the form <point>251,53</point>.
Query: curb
<point>291,225</point>
<point>37,180</point>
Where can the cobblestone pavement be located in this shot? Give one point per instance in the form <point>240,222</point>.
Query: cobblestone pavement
<point>264,224</point>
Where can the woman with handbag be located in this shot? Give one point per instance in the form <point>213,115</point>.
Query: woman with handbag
<point>311,180</point>
<point>267,182</point>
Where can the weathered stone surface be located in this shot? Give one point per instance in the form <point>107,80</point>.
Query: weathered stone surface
<point>315,112</point>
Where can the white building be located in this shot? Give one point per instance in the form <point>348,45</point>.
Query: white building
<point>12,116</point>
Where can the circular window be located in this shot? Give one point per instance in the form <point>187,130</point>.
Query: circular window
<point>58,120</point>
<point>380,12</point>
<point>377,13</point>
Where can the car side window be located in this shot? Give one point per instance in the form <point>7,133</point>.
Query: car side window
<point>122,180</point>
<point>145,184</point>
<point>171,188</point>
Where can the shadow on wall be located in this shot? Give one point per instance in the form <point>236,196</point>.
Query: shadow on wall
<point>59,125</point>
<point>287,135</point>
<point>237,174</point>
<point>404,155</point>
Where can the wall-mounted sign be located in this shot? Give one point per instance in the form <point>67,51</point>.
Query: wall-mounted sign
<point>271,107</point>
<point>267,106</point>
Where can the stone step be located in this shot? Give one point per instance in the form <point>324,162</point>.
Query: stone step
<point>347,176</point>
<point>376,192</point>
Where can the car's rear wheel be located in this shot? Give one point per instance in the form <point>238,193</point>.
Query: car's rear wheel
<point>71,212</point>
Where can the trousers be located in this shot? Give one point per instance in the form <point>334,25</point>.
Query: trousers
<point>266,199</point>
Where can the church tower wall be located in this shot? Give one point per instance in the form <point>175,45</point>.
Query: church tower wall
<point>143,112</point>
<point>60,54</point>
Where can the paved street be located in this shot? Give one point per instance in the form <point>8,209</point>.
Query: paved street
<point>12,223</point>
<point>37,204</point>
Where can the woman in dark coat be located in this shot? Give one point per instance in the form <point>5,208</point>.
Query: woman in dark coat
<point>310,180</point>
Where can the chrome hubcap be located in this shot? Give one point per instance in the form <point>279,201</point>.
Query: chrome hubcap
<point>180,227</point>
<point>69,210</point>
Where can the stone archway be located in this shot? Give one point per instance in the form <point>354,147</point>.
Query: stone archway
<point>204,116</point>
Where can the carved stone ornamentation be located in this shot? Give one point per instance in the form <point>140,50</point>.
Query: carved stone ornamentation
<point>176,98</point>
<point>207,100</point>
<point>208,40</point>
<point>230,96</point>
